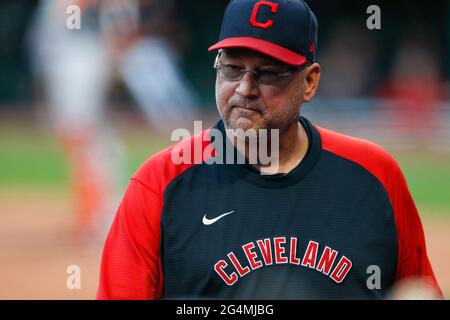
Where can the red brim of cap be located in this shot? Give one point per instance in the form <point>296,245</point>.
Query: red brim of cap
<point>263,46</point>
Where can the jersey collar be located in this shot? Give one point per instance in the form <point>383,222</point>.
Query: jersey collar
<point>249,173</point>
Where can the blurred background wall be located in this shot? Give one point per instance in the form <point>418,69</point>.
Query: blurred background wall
<point>81,109</point>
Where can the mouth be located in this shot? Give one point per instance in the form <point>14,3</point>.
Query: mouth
<point>245,108</point>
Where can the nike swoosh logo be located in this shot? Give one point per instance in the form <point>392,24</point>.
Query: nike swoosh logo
<point>208,222</point>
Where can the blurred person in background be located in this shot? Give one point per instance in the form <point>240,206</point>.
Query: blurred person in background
<point>415,84</point>
<point>347,60</point>
<point>149,65</point>
<point>76,69</point>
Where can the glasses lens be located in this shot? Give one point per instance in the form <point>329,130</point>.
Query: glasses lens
<point>269,77</point>
<point>234,73</point>
<point>229,72</point>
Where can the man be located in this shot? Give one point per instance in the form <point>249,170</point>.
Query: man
<point>308,225</point>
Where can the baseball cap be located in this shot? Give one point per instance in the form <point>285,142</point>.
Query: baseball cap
<point>283,29</point>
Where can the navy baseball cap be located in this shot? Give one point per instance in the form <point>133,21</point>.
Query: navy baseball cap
<point>283,29</point>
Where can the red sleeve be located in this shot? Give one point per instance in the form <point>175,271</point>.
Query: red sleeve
<point>412,254</point>
<point>412,258</point>
<point>131,264</point>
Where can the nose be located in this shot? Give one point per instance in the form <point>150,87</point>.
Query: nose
<point>248,86</point>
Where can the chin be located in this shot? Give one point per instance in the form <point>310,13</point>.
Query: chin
<point>244,124</point>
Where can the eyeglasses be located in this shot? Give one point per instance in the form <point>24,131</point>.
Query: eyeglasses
<point>231,72</point>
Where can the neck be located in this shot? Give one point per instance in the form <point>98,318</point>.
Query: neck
<point>292,145</point>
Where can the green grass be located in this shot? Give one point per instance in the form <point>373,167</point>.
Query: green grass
<point>141,147</point>
<point>428,178</point>
<point>30,158</point>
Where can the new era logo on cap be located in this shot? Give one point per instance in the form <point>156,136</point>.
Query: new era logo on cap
<point>283,29</point>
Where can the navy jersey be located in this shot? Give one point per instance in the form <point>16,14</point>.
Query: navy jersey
<point>210,230</point>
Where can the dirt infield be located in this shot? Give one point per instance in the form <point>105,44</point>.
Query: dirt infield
<point>437,233</point>
<point>37,246</point>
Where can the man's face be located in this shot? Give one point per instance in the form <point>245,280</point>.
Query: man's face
<point>248,104</point>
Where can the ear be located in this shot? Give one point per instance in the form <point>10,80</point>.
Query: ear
<point>311,83</point>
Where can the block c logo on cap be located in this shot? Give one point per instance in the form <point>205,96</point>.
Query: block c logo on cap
<point>273,7</point>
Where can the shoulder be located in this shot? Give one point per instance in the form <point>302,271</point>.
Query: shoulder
<point>365,153</point>
<point>166,165</point>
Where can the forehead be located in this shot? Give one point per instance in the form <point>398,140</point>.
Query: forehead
<point>245,54</point>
